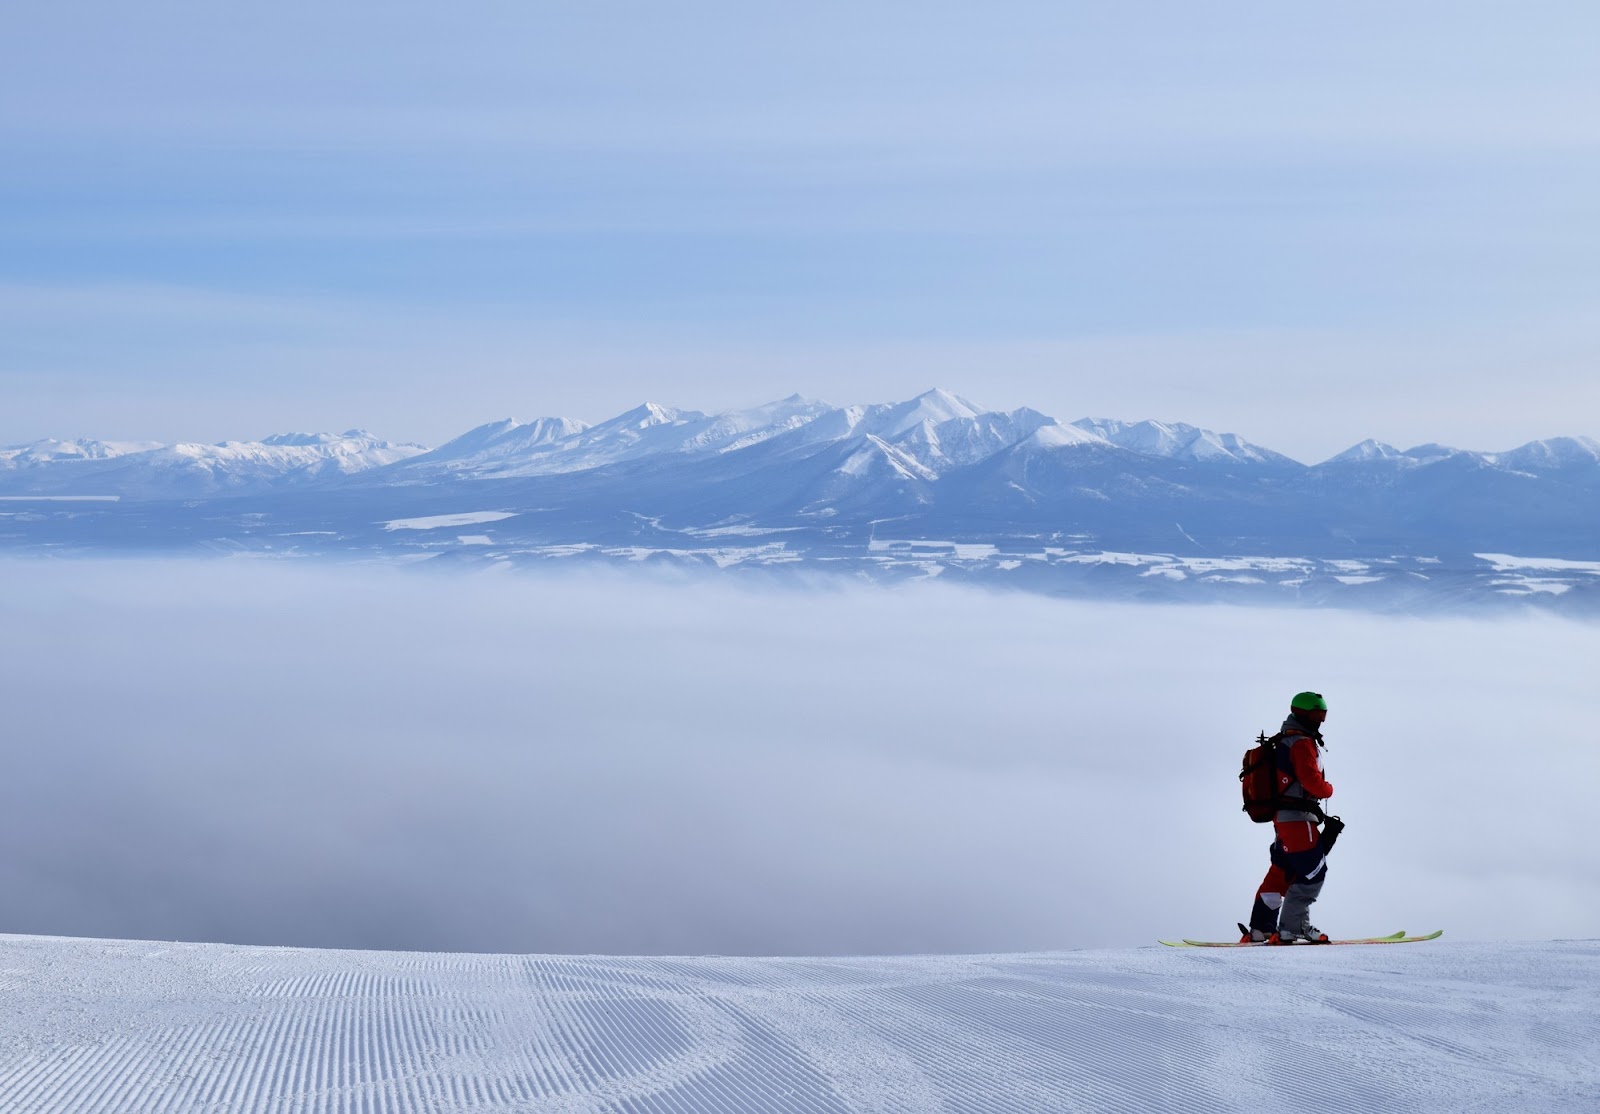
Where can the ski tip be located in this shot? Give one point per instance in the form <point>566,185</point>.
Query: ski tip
<point>1398,938</point>
<point>1174,943</point>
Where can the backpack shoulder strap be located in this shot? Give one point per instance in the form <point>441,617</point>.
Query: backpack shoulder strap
<point>1299,804</point>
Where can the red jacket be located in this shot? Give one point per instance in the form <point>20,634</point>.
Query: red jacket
<point>1300,770</point>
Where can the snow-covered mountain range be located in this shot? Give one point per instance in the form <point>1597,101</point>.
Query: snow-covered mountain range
<point>151,470</point>
<point>929,436</point>
<point>914,487</point>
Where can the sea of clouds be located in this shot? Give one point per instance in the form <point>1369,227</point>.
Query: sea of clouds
<point>363,756</point>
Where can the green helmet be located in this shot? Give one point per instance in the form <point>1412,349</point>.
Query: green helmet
<point>1308,702</point>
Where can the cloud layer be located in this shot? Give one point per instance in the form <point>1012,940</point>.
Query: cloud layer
<point>363,757</point>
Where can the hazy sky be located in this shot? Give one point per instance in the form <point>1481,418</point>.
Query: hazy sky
<point>260,752</point>
<point>1304,224</point>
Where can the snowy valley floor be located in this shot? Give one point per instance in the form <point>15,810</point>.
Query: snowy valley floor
<point>95,1025</point>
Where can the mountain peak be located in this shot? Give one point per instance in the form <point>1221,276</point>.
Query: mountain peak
<point>1552,453</point>
<point>652,414</point>
<point>1366,452</point>
<point>50,450</point>
<point>941,404</point>
<point>934,407</point>
<point>308,439</point>
<point>477,437</point>
<point>1056,435</point>
<point>1178,441</point>
<point>940,394</point>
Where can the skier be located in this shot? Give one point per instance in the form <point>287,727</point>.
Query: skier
<point>1282,907</point>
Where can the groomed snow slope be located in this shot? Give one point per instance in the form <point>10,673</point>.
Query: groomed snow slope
<point>93,1025</point>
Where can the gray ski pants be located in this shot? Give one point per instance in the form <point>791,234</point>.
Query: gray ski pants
<point>1307,871</point>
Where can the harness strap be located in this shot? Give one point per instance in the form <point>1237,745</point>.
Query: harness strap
<point>1301,804</point>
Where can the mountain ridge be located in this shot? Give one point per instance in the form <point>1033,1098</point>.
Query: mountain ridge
<point>560,444</point>
<point>884,490</point>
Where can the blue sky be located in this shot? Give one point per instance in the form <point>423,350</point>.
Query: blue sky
<point>1304,226</point>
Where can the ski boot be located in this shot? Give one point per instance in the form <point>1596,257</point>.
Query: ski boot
<point>1305,934</point>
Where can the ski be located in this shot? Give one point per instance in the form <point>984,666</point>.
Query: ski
<point>1187,943</point>
<point>1393,938</point>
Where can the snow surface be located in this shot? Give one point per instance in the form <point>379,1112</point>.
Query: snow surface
<point>1178,441</point>
<point>1366,452</point>
<point>1506,562</point>
<point>436,521</point>
<point>148,468</point>
<point>556,445</point>
<point>50,449</point>
<point>134,1026</point>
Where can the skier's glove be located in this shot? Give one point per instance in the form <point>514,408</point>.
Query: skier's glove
<point>1331,827</point>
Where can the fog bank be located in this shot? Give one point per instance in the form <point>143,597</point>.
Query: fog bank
<point>257,752</point>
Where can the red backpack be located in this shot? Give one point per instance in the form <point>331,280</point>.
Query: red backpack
<point>1259,778</point>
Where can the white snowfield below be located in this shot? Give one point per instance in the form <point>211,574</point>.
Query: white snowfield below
<point>437,521</point>
<point>96,1025</point>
